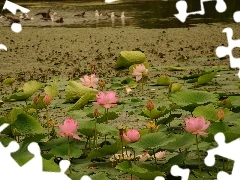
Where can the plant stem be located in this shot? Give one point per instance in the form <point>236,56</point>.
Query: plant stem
<point>142,85</point>
<point>155,159</point>
<point>47,117</point>
<point>122,146</point>
<point>106,116</point>
<point>134,157</point>
<point>198,153</point>
<point>70,170</point>
<point>95,134</point>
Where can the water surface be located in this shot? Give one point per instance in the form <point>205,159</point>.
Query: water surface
<point>139,14</point>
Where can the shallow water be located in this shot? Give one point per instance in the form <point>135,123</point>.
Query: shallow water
<point>139,14</point>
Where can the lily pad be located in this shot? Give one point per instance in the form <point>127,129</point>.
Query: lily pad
<point>189,97</point>
<point>128,58</point>
<point>75,90</point>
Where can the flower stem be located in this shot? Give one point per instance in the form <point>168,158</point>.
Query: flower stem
<point>142,85</point>
<point>106,116</point>
<point>122,146</point>
<point>155,159</point>
<point>198,153</point>
<point>134,157</point>
<point>47,117</point>
<point>70,170</point>
<point>95,134</point>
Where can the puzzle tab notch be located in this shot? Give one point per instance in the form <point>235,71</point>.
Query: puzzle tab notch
<point>182,6</point>
<point>228,150</point>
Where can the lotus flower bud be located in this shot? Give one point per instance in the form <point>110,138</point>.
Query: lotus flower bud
<point>47,99</point>
<point>220,115</point>
<point>150,105</point>
<point>96,113</point>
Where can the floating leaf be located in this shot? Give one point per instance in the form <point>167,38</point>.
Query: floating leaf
<point>25,125</point>
<point>8,81</point>
<point>163,80</point>
<point>128,58</point>
<point>176,87</point>
<point>62,151</point>
<point>30,87</point>
<point>106,150</point>
<point>174,68</point>
<point>75,90</point>
<point>153,114</point>
<point>51,91</point>
<point>181,142</point>
<point>82,101</point>
<point>150,141</point>
<point>100,175</point>
<point>206,78</point>
<point>128,166</point>
<point>191,97</point>
<point>208,112</point>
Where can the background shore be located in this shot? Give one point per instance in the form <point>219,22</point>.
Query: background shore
<point>64,51</point>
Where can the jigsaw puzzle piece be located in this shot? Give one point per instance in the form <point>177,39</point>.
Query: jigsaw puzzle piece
<point>35,162</point>
<point>236,16</point>
<point>222,51</point>
<point>182,6</point>
<point>177,171</point>
<point>159,178</point>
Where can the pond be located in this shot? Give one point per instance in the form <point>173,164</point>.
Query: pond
<point>139,14</point>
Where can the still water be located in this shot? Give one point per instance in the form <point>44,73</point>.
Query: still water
<point>139,14</point>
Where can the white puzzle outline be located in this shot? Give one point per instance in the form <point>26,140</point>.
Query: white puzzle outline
<point>182,9</point>
<point>9,167</point>
<point>228,150</point>
<point>16,27</point>
<point>175,170</point>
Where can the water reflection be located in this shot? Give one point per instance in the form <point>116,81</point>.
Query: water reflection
<point>143,14</point>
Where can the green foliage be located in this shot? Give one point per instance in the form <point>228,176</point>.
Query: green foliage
<point>8,81</point>
<point>28,89</point>
<point>181,142</point>
<point>206,78</point>
<point>21,123</point>
<point>163,80</point>
<point>105,150</point>
<point>128,166</point>
<point>82,101</point>
<point>128,58</point>
<point>62,151</point>
<point>193,97</point>
<point>150,141</point>
<point>75,90</point>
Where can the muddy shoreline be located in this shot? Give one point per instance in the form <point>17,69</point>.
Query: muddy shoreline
<point>66,51</point>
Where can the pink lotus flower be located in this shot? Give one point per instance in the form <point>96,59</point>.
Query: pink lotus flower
<point>131,136</point>
<point>90,81</point>
<point>69,128</point>
<point>139,71</point>
<point>196,126</point>
<point>107,99</point>
<point>47,99</point>
<point>160,154</point>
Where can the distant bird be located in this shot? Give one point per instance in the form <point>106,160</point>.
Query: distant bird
<point>52,16</point>
<point>80,15</point>
<point>112,15</point>
<point>97,13</point>
<point>11,19</point>
<point>45,15</point>
<point>122,15</point>
<point>25,17</point>
<point>59,20</point>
